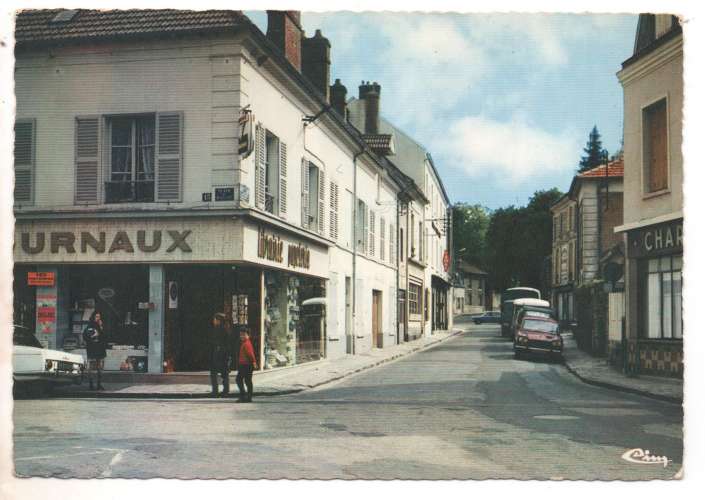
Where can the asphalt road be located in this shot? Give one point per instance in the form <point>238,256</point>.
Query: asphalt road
<point>462,409</point>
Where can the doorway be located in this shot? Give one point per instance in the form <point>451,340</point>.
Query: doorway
<point>377,319</point>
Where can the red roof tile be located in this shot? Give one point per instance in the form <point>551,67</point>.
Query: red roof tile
<point>614,169</point>
<point>39,26</point>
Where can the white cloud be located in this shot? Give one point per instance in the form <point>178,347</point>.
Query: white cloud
<point>514,150</point>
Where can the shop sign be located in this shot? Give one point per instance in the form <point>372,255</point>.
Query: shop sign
<point>246,142</point>
<point>106,293</point>
<point>173,295</point>
<point>652,241</point>
<point>121,242</point>
<point>41,279</point>
<point>446,260</point>
<point>270,247</point>
<point>46,313</point>
<point>299,256</point>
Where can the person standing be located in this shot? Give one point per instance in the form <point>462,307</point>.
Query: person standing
<point>219,354</point>
<point>94,337</point>
<point>246,364</point>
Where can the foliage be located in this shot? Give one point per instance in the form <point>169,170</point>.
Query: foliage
<point>595,155</point>
<point>470,223</point>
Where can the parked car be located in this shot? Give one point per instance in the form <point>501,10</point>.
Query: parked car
<point>487,317</point>
<point>538,335</point>
<point>32,364</point>
<point>533,307</point>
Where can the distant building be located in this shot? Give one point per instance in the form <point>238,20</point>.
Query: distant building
<point>471,293</point>
<point>652,79</point>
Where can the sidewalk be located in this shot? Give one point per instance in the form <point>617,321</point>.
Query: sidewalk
<point>269,383</point>
<point>596,371</point>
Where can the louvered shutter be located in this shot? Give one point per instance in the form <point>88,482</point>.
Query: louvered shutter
<point>169,156</point>
<point>333,210</point>
<point>87,153</point>
<point>24,161</point>
<point>372,233</point>
<point>260,166</point>
<point>392,248</point>
<point>321,202</point>
<point>282,179</point>
<point>381,238</point>
<point>304,193</point>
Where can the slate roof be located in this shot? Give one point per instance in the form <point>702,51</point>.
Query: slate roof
<point>38,27</point>
<point>614,169</point>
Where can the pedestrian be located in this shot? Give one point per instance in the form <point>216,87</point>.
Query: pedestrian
<point>246,363</point>
<point>94,337</point>
<point>219,354</point>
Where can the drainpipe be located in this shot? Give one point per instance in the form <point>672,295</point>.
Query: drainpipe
<point>396,256</point>
<point>354,263</point>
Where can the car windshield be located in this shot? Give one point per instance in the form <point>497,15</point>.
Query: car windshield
<point>23,336</point>
<point>538,325</point>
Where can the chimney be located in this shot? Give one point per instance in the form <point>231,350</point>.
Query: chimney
<point>284,31</point>
<point>338,95</point>
<point>370,95</point>
<point>315,62</point>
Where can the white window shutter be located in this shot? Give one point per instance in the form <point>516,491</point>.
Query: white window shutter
<point>392,247</point>
<point>333,210</point>
<point>282,180</point>
<point>24,160</point>
<point>87,154</point>
<point>169,156</point>
<point>304,193</point>
<point>321,202</point>
<point>372,233</point>
<point>381,238</point>
<point>260,160</point>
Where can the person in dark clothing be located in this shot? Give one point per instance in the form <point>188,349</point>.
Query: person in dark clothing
<point>219,354</point>
<point>246,364</point>
<point>94,337</point>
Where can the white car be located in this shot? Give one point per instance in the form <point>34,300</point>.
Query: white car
<point>33,364</point>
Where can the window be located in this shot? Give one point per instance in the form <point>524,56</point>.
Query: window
<point>655,147</point>
<point>24,160</point>
<point>373,237</point>
<point>382,238</point>
<point>414,298</point>
<point>662,286</point>
<point>421,241</point>
<point>401,244</point>
<point>392,247</point>
<point>131,159</point>
<point>333,215</point>
<point>562,224</point>
<point>313,177</point>
<point>361,227</point>
<point>411,237</point>
<point>271,173</point>
<point>555,228</point>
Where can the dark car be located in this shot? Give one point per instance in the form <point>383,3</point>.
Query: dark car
<point>488,317</point>
<point>538,335</point>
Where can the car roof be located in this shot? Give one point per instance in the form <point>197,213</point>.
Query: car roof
<point>539,318</point>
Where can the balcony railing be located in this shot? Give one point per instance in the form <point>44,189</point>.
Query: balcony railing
<point>269,203</point>
<point>129,191</point>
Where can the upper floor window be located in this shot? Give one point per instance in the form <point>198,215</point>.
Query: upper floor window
<point>270,172</point>
<point>132,167</point>
<point>401,244</point>
<point>361,228</point>
<point>655,147</point>
<point>24,161</point>
<point>313,195</point>
<point>271,177</point>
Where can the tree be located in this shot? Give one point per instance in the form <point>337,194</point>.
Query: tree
<point>595,155</point>
<point>470,223</point>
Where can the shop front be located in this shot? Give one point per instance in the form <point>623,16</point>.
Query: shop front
<point>654,288</point>
<point>158,282</point>
<point>439,300</point>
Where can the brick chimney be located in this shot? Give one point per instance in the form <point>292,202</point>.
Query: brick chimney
<point>338,95</point>
<point>370,95</point>
<point>284,30</point>
<point>315,62</point>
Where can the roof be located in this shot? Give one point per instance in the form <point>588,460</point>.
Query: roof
<point>39,26</point>
<point>469,268</point>
<point>647,40</point>
<point>380,143</point>
<point>612,169</point>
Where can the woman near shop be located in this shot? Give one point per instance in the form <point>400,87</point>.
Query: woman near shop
<point>246,363</point>
<point>94,337</point>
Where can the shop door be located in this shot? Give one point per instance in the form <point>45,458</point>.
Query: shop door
<point>376,318</point>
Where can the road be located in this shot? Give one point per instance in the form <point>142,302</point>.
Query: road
<point>462,409</point>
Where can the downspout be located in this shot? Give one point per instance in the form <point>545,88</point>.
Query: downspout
<point>396,257</point>
<point>354,263</point>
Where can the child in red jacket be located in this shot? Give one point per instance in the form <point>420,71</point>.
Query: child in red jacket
<point>246,363</point>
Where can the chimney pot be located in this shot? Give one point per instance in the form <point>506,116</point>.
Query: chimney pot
<point>284,31</point>
<point>315,62</point>
<point>338,96</point>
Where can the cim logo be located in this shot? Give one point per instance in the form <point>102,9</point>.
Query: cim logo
<point>644,457</point>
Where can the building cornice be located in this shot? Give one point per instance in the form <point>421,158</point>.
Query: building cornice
<point>649,222</point>
<point>650,62</point>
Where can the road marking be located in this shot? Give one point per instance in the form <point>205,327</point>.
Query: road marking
<point>115,460</point>
<point>556,417</point>
<point>63,455</point>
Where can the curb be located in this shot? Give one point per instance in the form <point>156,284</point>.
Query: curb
<point>622,388</point>
<point>206,395</point>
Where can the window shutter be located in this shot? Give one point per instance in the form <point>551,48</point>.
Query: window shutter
<point>260,159</point>
<point>372,233</point>
<point>381,238</point>
<point>333,210</point>
<point>282,179</point>
<point>24,160</point>
<point>87,133</point>
<point>169,156</point>
<point>304,193</point>
<point>659,149</point>
<point>392,255</point>
<point>321,201</point>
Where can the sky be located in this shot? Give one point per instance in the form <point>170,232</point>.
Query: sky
<point>503,102</point>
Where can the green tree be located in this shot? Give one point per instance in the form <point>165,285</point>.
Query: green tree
<point>470,223</point>
<point>594,154</point>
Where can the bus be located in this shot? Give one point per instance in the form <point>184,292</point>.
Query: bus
<point>507,304</point>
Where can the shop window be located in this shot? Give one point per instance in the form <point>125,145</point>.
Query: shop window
<point>662,287</point>
<point>655,147</point>
<point>414,298</point>
<point>131,159</point>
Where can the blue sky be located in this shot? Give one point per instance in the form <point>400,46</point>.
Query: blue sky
<point>504,102</point>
